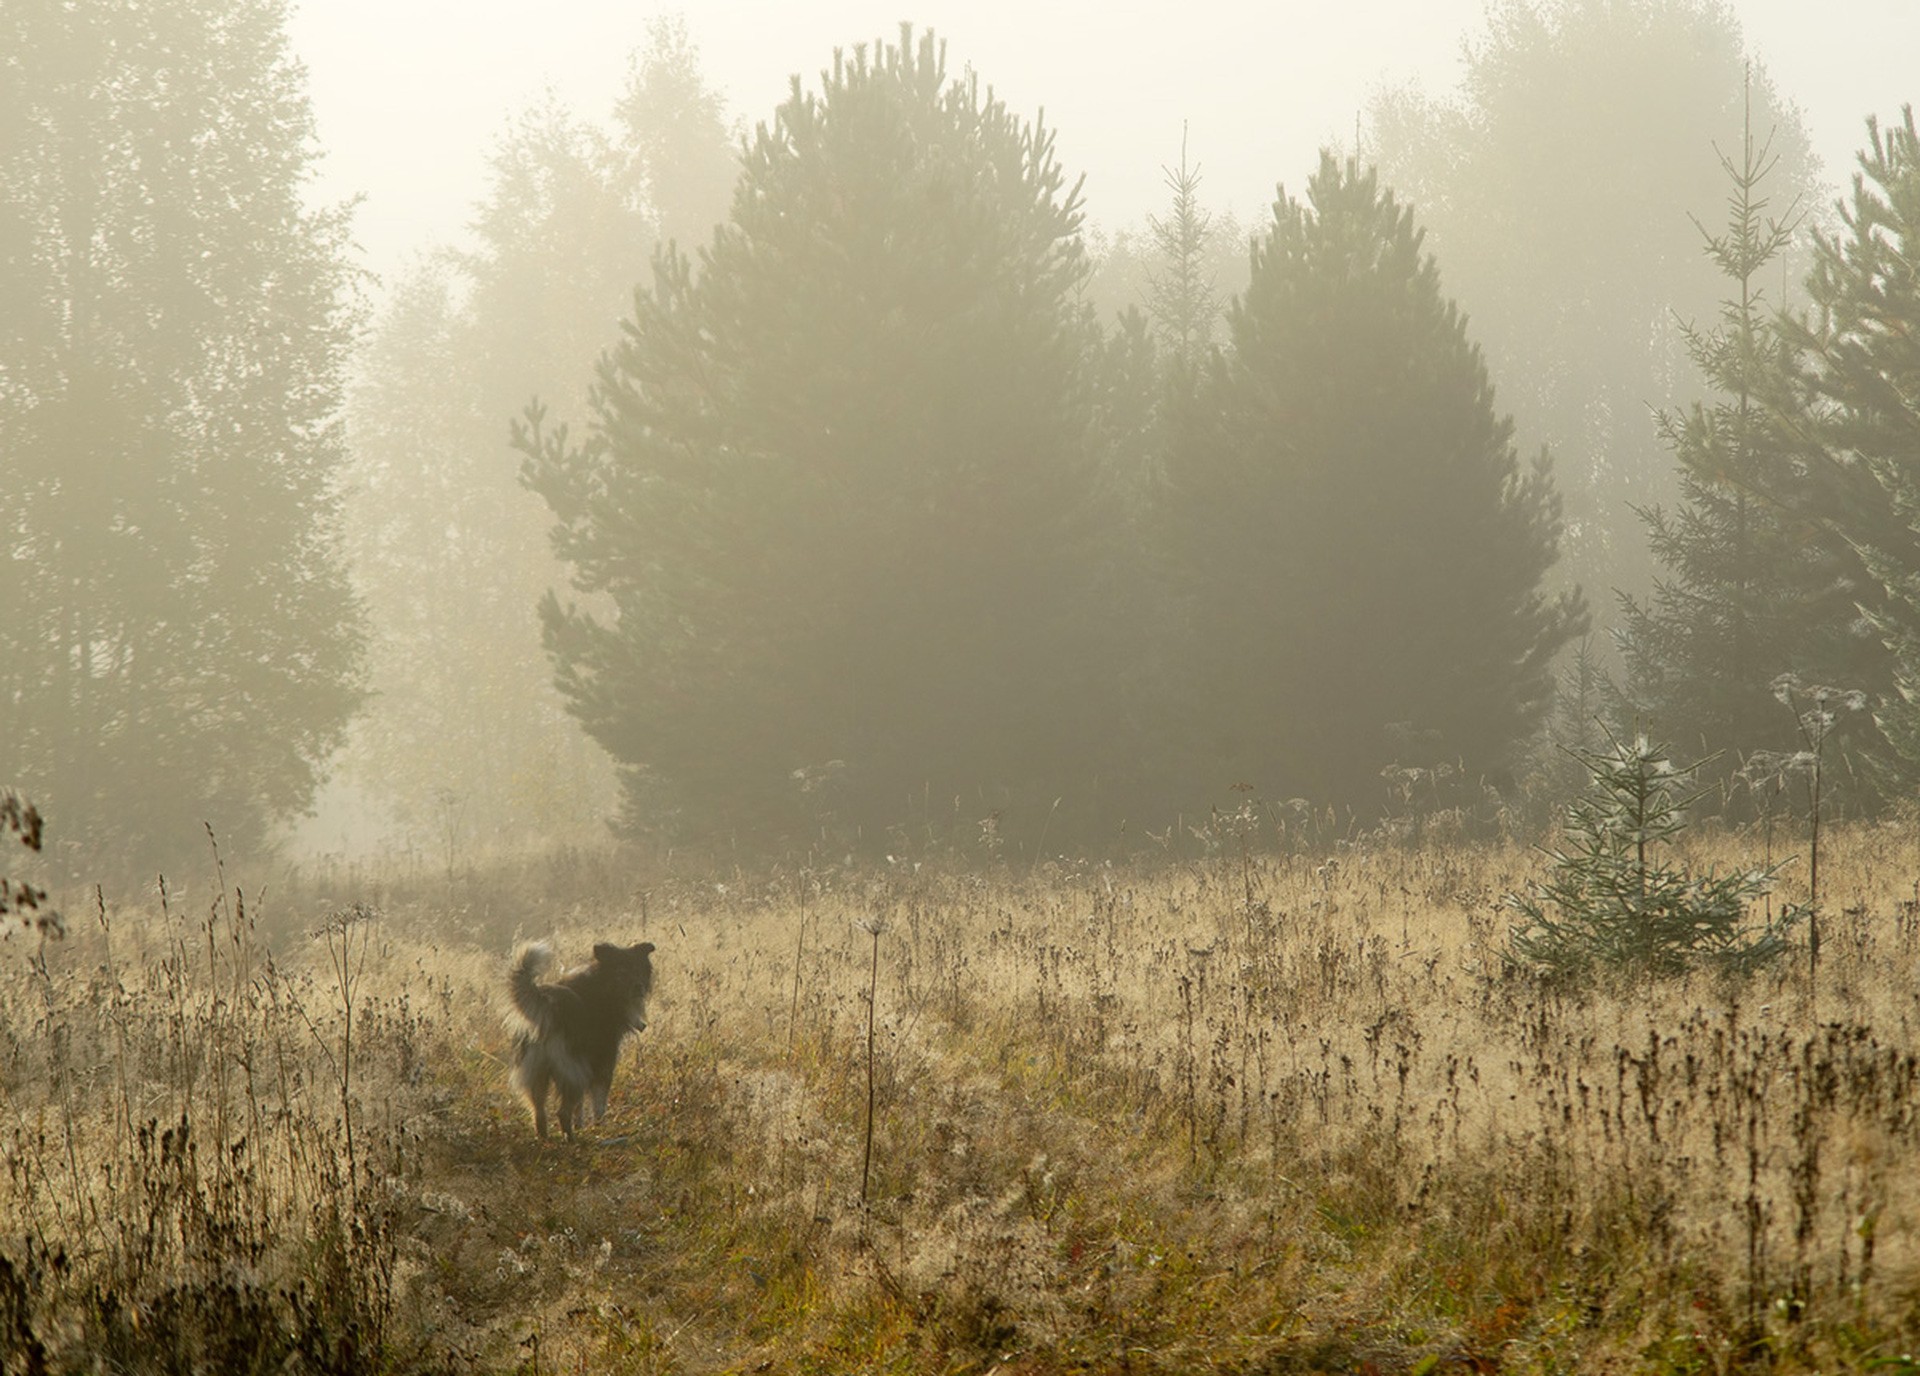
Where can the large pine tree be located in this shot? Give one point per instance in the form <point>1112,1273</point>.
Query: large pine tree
<point>825,516</point>
<point>1364,549</point>
<point>178,640</point>
<point>1858,413</point>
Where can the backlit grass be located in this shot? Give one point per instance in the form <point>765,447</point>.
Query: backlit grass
<point>1258,1113</point>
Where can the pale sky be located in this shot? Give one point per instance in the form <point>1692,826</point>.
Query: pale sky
<point>411,94</point>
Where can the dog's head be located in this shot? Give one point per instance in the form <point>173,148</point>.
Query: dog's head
<point>632,967</point>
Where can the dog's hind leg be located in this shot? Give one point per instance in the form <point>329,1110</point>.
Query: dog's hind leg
<point>534,1081</point>
<point>570,1097</point>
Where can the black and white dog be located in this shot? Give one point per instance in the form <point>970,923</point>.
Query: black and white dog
<point>567,1034</point>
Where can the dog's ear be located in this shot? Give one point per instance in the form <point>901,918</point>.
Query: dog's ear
<point>606,952</point>
<point>645,948</point>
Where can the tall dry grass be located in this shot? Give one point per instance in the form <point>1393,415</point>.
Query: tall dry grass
<point>202,1165</point>
<point>1258,1112</point>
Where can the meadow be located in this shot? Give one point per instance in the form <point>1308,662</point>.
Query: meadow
<point>1265,1107</point>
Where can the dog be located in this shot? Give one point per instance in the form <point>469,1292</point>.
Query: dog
<point>567,1034</point>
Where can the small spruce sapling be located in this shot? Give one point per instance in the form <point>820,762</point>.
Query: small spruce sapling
<point>1615,904</point>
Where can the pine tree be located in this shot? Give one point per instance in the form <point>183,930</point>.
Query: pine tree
<point>466,741</point>
<point>1556,207</point>
<point>179,643</point>
<point>832,486</point>
<point>1859,414</point>
<point>1146,373</point>
<point>1361,550</point>
<point>1755,584</point>
<point>1183,301</point>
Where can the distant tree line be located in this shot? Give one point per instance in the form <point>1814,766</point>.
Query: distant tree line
<point>850,493</point>
<point>876,520</point>
<point>1302,559</point>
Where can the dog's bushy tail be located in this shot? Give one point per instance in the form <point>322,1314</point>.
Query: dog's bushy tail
<point>530,961</point>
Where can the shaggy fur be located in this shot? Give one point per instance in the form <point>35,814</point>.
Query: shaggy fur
<point>568,1033</point>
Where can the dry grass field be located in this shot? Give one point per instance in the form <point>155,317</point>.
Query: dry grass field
<point>1247,1113</point>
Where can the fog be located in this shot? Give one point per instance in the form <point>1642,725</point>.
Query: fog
<point>1051,430</point>
<point>1273,655</point>
<point>408,93</point>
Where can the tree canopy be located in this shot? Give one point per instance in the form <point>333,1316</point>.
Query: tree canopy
<point>827,511</point>
<point>179,643</point>
<point>1364,548</point>
<point>1857,360</point>
<point>1793,557</point>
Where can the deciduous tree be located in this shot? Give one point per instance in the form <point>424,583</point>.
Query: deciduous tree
<point>179,643</point>
<point>466,743</point>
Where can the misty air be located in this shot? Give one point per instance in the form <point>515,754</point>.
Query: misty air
<point>1029,691</point>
